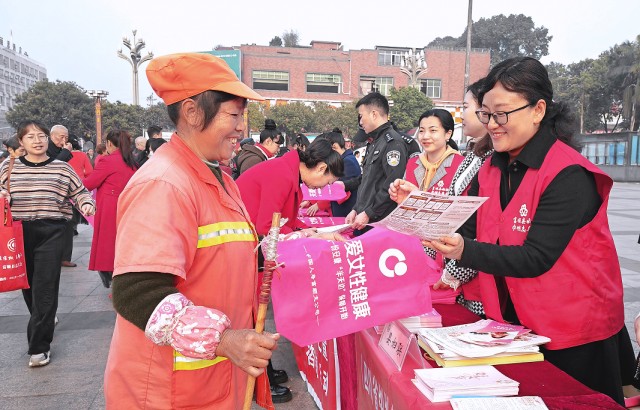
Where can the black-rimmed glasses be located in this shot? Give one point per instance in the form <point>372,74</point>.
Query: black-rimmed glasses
<point>500,117</point>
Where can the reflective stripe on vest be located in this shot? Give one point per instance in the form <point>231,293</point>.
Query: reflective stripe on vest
<point>223,232</point>
<point>181,362</point>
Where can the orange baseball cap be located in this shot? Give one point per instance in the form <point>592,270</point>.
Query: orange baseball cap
<point>175,77</point>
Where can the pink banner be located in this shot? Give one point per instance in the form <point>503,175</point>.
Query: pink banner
<point>321,222</point>
<point>318,367</point>
<point>328,289</point>
<point>302,212</point>
<point>331,192</point>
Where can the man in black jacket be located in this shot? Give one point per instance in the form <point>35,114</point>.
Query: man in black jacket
<point>384,162</point>
<point>60,148</point>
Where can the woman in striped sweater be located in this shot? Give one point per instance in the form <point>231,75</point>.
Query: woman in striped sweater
<point>40,189</point>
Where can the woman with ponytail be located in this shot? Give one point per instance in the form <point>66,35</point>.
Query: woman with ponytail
<point>274,186</point>
<point>109,177</point>
<point>544,250</point>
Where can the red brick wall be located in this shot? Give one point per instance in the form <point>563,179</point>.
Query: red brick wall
<point>445,65</point>
<point>448,66</point>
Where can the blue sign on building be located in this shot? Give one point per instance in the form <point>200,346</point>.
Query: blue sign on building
<point>232,57</point>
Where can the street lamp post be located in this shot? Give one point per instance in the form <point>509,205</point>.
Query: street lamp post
<point>414,65</point>
<point>135,59</point>
<point>98,95</point>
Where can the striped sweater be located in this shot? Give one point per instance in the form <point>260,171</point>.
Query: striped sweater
<point>43,190</point>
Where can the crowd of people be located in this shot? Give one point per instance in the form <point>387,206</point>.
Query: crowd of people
<point>185,295</point>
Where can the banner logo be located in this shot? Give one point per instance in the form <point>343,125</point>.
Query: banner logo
<point>399,269</point>
<point>12,244</point>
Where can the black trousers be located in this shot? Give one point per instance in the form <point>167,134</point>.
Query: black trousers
<point>67,238</point>
<point>43,256</point>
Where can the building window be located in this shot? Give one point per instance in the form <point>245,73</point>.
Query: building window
<point>271,80</point>
<point>432,88</point>
<point>390,57</point>
<point>324,83</point>
<point>383,85</point>
<point>635,154</point>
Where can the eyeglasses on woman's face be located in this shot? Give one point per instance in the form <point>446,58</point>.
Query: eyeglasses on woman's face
<point>33,138</point>
<point>500,117</point>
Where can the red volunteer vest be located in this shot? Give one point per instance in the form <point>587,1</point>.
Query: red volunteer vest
<point>579,300</point>
<point>441,186</point>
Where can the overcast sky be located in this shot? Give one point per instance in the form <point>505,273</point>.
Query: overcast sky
<point>77,40</point>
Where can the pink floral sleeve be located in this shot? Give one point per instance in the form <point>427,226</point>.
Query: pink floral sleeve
<point>194,331</point>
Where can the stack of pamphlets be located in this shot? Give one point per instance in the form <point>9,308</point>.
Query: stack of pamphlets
<point>499,403</point>
<point>427,320</point>
<point>482,342</point>
<point>492,333</point>
<point>444,384</point>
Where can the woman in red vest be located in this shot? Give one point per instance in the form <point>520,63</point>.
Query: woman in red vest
<point>481,148</point>
<point>434,168</point>
<point>544,250</point>
<point>274,186</point>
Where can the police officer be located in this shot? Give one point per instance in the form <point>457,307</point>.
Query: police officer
<point>413,148</point>
<point>385,159</point>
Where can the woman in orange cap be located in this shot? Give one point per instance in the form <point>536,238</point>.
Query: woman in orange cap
<point>184,283</point>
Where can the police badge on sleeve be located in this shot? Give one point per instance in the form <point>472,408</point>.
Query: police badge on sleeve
<point>393,158</point>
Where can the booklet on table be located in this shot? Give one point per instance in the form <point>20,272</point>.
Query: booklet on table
<point>443,384</point>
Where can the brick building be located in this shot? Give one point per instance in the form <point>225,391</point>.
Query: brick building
<point>326,72</point>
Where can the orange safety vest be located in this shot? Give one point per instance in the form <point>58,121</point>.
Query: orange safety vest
<point>175,217</point>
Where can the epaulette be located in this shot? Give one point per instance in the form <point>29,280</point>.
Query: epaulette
<point>406,139</point>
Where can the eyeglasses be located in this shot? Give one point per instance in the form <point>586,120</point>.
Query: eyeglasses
<point>500,117</point>
<point>36,138</point>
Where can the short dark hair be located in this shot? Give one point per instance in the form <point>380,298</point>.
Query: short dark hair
<point>475,88</point>
<point>320,151</point>
<point>446,120</point>
<point>376,100</point>
<point>153,130</point>
<point>480,146</point>
<point>445,117</point>
<point>101,148</point>
<point>156,143</point>
<point>73,140</point>
<point>529,78</point>
<point>246,141</point>
<point>208,101</point>
<point>22,128</point>
<point>335,138</point>
<point>291,141</point>
<point>302,139</point>
<point>12,143</point>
